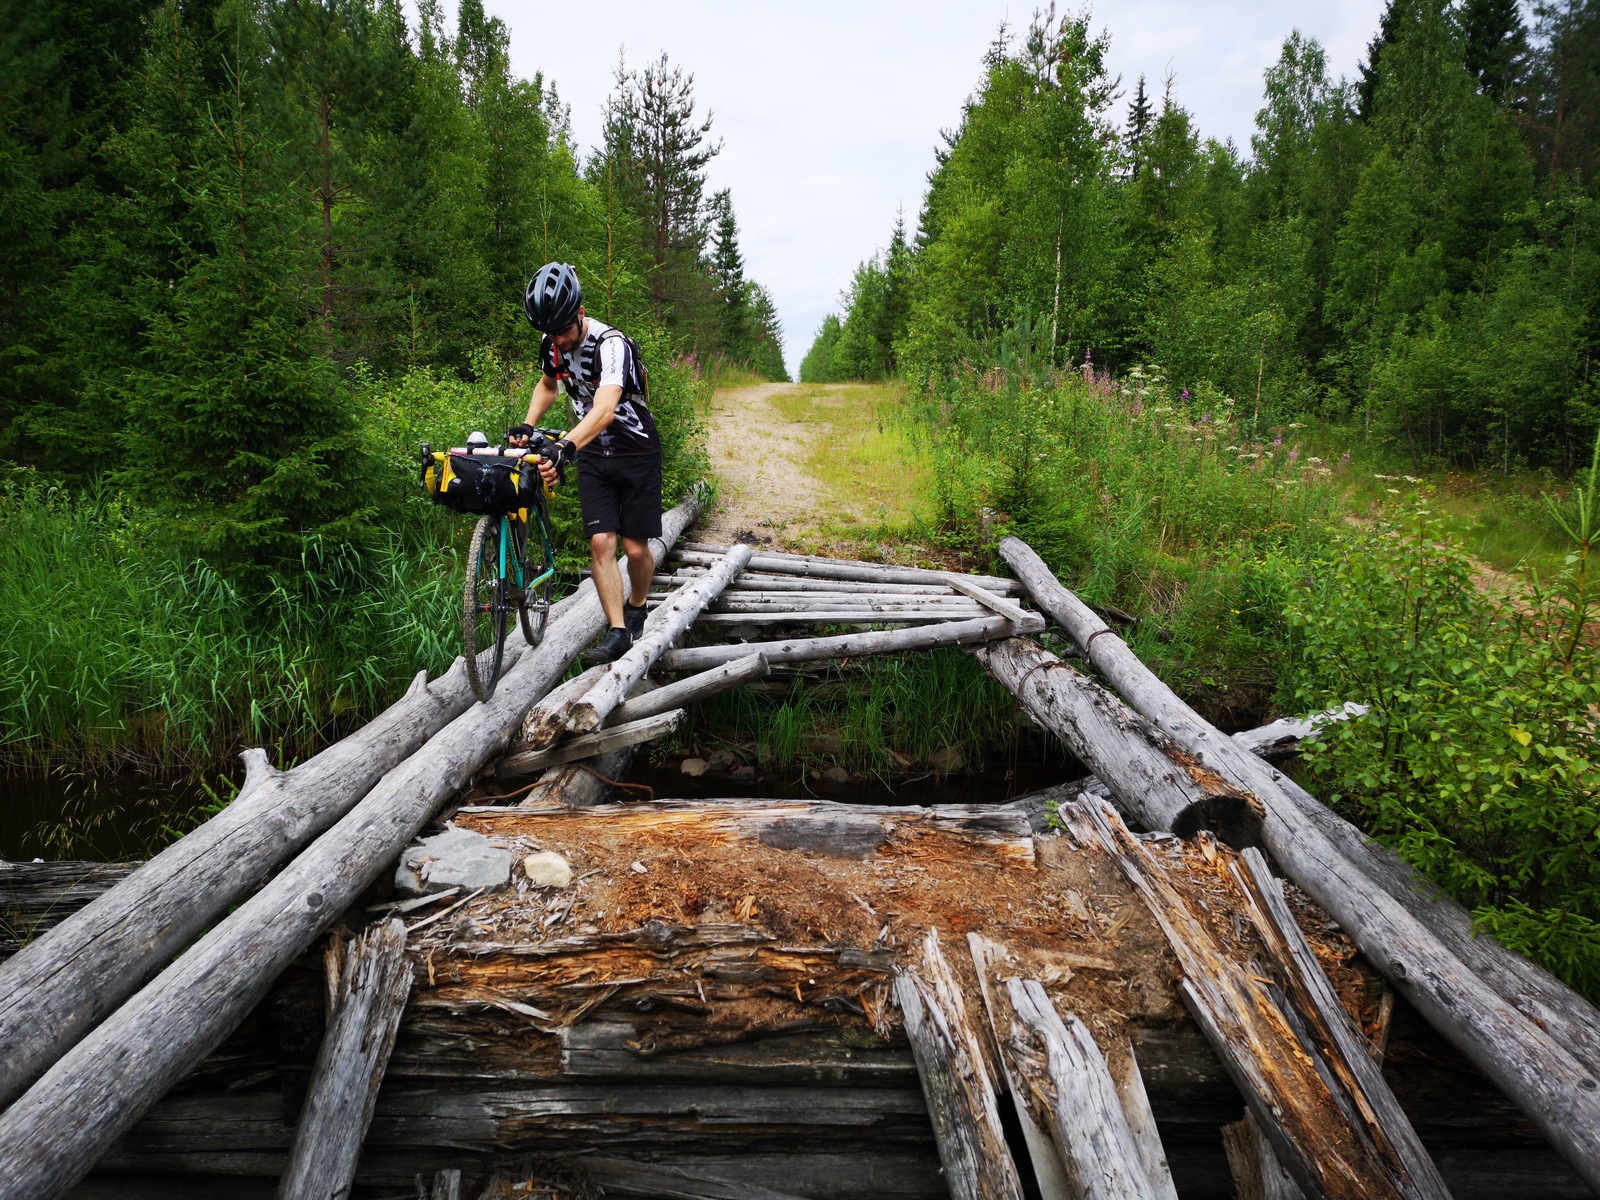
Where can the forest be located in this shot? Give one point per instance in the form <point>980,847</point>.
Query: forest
<point>255,253</point>
<point>1414,252</point>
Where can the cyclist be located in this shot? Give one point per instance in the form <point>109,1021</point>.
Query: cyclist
<point>614,443</point>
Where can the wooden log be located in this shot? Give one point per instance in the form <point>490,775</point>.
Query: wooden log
<point>956,1081</point>
<point>858,572</point>
<point>1281,738</point>
<point>749,601</point>
<point>373,984</point>
<point>989,599</point>
<point>1341,1045</point>
<point>692,689</point>
<point>547,720</point>
<point>1257,1173</point>
<point>1068,1078</point>
<point>848,645</point>
<point>666,625</point>
<point>841,616</point>
<point>1129,1080</point>
<point>38,896</point>
<point>754,581</point>
<point>1161,787</point>
<point>446,1185</point>
<point>52,1135</point>
<point>591,744</point>
<point>1535,1038</point>
<point>1323,1134</point>
<point>998,584</point>
<point>581,784</point>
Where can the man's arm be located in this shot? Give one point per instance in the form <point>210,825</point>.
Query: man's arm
<point>545,393</point>
<point>605,408</point>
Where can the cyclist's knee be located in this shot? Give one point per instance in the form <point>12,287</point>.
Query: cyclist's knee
<point>635,549</point>
<point>604,545</point>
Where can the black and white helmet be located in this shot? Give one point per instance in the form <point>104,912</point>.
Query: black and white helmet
<point>553,298</point>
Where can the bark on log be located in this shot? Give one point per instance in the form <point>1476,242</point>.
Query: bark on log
<point>693,689</point>
<point>547,720</point>
<point>842,616</point>
<point>759,602</point>
<point>1536,1039</point>
<point>1323,1130</point>
<point>955,1081</point>
<point>52,1135</point>
<point>1067,1077</point>
<point>994,583</point>
<point>754,581</point>
<point>1256,1171</point>
<point>374,981</point>
<point>855,571</point>
<point>1281,738</point>
<point>849,645</point>
<point>668,623</point>
<point>591,744</point>
<point>35,897</point>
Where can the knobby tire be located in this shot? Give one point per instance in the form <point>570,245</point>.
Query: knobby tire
<point>485,608</point>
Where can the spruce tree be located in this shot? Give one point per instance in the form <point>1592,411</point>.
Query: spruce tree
<point>1496,47</point>
<point>1388,26</point>
<point>727,271</point>
<point>1139,115</point>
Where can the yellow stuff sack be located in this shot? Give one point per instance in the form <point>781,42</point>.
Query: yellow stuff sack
<point>475,484</point>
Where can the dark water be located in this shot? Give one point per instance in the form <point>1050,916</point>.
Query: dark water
<point>125,816</point>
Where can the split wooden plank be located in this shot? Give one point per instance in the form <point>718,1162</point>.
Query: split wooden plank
<point>547,720</point>
<point>692,689</point>
<point>822,561</point>
<point>1129,1080</point>
<point>1341,1045</point>
<point>1068,1079</point>
<point>591,744</point>
<point>446,1185</point>
<point>665,626</point>
<point>849,645</point>
<point>855,571</point>
<point>955,1081</point>
<point>374,980</point>
<point>793,602</point>
<point>988,599</point>
<point>1257,1174</point>
<point>1320,1131</point>
<point>841,616</point>
<point>1537,1039</point>
<point>53,1134</point>
<point>754,581</point>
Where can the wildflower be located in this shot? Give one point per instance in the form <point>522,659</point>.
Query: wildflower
<point>1293,455</point>
<point>1185,393</point>
<point>1392,491</point>
<point>1344,459</point>
<point>1410,479</point>
<point>1384,477</point>
<point>1297,425</point>
<point>1277,441</point>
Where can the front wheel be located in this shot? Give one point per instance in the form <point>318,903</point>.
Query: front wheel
<point>538,574</point>
<point>486,603</point>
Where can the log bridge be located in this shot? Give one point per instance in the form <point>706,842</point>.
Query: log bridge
<point>1179,976</point>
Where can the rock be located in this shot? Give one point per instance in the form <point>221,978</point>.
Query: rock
<point>455,858</point>
<point>693,767</point>
<point>638,868</point>
<point>828,743</point>
<point>547,869</point>
<point>836,776</point>
<point>946,760</point>
<point>721,760</point>
<point>742,775</point>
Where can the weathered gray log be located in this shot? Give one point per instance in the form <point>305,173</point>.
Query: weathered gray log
<point>1068,1077</point>
<point>1342,1046</point>
<point>754,581</point>
<point>581,784</point>
<point>58,987</point>
<point>446,1185</point>
<point>755,602</point>
<point>53,1134</point>
<point>547,720</point>
<point>841,616</point>
<point>1129,1081</point>
<point>1281,738</point>
<point>692,689</point>
<point>848,645</point>
<point>1138,763</point>
<point>668,623</point>
<point>955,1081</point>
<point>374,980</point>
<point>855,571</point>
<point>1257,1174</point>
<point>591,744</point>
<point>994,583</point>
<point>1536,1039</point>
<point>989,599</point>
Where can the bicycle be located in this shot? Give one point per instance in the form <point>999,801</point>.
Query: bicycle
<point>501,485</point>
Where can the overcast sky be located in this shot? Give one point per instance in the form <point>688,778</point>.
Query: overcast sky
<point>830,111</point>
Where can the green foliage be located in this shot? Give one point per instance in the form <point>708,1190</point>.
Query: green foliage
<point>1477,759</point>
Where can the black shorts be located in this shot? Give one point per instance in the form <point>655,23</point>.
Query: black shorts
<point>620,494</point>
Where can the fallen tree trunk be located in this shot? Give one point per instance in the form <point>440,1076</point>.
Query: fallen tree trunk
<point>1535,1038</point>
<point>856,571</point>
<point>374,980</point>
<point>53,1134</point>
<point>754,581</point>
<point>756,602</point>
<point>955,1081</point>
<point>547,720</point>
<point>848,645</point>
<point>692,689</point>
<point>590,745</point>
<point>668,623</point>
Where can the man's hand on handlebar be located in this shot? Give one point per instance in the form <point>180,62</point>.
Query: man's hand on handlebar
<point>553,460</point>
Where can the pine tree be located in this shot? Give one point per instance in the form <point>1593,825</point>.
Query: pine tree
<point>1139,115</point>
<point>1497,47</point>
<point>727,272</point>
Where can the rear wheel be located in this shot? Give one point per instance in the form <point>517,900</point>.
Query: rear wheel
<point>485,608</point>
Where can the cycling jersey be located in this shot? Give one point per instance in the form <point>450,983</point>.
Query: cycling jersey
<point>605,357</point>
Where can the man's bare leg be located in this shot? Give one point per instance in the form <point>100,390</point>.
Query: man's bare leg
<point>607,578</point>
<point>641,567</point>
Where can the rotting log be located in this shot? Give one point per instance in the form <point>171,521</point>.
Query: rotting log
<point>374,981</point>
<point>1281,738</point>
<point>860,572</point>
<point>1538,1040</point>
<point>52,1135</point>
<point>580,784</point>
<point>955,1080</point>
<point>692,689</point>
<point>446,1186</point>
<point>547,720</point>
<point>848,645</point>
<point>1315,1113</point>
<point>591,744</point>
<point>1257,1174</point>
<point>1154,781</point>
<point>668,623</point>
<point>1067,1078</point>
<point>1123,1062</point>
